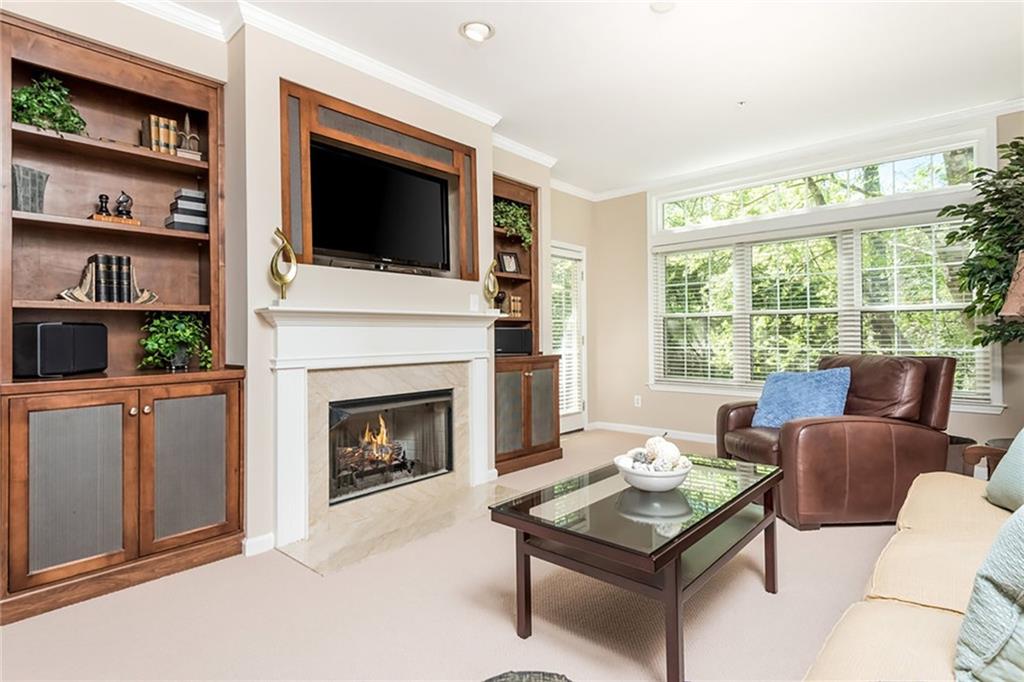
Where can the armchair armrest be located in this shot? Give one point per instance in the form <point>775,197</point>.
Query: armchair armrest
<point>973,454</point>
<point>854,469</point>
<point>732,416</point>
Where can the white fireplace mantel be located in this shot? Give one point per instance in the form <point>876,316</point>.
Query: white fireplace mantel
<point>308,339</point>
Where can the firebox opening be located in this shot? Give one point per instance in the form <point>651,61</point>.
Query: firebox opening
<point>388,441</point>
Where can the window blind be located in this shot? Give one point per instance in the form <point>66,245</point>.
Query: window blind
<point>567,332</point>
<point>734,315</point>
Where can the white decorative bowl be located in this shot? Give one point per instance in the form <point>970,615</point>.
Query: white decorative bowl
<point>651,481</point>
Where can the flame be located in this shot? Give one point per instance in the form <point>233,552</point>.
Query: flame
<point>377,442</point>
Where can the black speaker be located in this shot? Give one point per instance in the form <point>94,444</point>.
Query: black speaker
<point>513,341</point>
<point>54,349</point>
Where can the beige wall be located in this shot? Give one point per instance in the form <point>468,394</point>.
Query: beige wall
<point>572,219</point>
<point>618,347</point>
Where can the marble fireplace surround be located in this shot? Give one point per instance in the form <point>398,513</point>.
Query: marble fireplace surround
<point>324,354</point>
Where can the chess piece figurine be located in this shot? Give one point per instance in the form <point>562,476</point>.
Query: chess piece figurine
<point>124,206</point>
<point>101,207</point>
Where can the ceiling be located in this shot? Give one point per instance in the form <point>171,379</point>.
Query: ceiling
<point>624,97</point>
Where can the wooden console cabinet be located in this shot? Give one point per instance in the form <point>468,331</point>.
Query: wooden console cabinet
<point>114,478</point>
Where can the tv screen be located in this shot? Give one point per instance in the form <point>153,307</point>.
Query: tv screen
<point>370,210</point>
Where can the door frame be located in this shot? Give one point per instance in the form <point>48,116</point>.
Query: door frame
<point>576,421</point>
<point>148,542</point>
<point>20,577</point>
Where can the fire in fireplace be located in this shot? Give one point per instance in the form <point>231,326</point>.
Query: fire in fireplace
<point>379,443</point>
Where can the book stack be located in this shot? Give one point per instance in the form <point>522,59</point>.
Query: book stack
<point>515,306</point>
<point>112,280</point>
<point>160,134</point>
<point>188,211</point>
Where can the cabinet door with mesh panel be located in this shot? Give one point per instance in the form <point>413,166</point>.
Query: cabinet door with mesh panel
<point>188,464</point>
<point>73,482</point>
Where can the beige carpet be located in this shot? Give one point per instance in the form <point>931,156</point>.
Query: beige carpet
<point>442,608</point>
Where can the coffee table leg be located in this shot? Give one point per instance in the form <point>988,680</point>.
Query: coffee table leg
<point>672,598</point>
<point>524,624</point>
<point>770,560</point>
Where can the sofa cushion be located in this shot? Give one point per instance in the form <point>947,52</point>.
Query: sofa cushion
<point>1006,484</point>
<point>754,445</point>
<point>882,385</point>
<point>794,395</point>
<point>889,640</point>
<point>991,644</point>
<point>952,505</point>
<point>928,569</point>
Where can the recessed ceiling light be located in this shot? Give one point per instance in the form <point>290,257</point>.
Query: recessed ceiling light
<point>741,103</point>
<point>477,31</point>
<point>662,7</point>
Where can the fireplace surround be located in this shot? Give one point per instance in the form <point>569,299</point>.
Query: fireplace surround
<point>383,442</point>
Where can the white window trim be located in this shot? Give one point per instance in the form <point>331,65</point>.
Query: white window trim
<point>882,212</point>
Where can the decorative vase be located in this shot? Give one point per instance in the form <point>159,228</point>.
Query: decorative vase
<point>29,187</point>
<point>179,362</point>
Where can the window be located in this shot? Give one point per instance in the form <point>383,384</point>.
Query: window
<point>933,170</point>
<point>694,324</point>
<point>567,329</point>
<point>734,315</point>
<point>794,304</point>
<point>911,301</point>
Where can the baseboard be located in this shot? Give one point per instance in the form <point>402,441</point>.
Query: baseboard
<point>651,431</point>
<point>258,544</point>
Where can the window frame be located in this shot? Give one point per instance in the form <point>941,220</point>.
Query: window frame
<point>896,211</point>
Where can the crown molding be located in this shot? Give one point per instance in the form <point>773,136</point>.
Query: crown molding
<point>519,149</point>
<point>180,15</point>
<point>566,188</point>
<point>258,17</point>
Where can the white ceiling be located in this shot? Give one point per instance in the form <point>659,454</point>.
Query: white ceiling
<point>623,96</point>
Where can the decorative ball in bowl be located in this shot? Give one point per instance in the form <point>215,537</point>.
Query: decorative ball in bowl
<point>656,467</point>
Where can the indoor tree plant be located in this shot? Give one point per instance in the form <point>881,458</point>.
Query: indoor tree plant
<point>46,103</point>
<point>173,339</point>
<point>514,218</point>
<point>993,226</point>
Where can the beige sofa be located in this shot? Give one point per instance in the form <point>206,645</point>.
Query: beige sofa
<point>906,626</point>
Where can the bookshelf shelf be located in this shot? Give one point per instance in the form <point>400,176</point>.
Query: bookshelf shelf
<point>513,275</point>
<point>42,220</point>
<point>22,304</point>
<point>99,148</point>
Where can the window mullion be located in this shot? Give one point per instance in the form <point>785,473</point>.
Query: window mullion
<point>849,292</point>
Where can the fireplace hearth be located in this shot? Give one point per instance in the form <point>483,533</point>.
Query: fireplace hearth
<point>378,443</point>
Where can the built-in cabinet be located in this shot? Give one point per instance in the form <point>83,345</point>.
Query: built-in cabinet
<point>113,478</point>
<point>100,478</point>
<point>526,386</point>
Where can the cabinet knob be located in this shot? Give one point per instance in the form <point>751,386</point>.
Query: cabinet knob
<point>133,411</point>
<point>147,409</point>
<point>529,374</point>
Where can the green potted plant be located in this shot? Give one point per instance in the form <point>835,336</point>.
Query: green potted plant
<point>993,226</point>
<point>173,339</point>
<point>514,218</point>
<point>46,103</point>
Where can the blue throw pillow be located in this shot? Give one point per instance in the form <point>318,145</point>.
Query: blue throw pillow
<point>792,395</point>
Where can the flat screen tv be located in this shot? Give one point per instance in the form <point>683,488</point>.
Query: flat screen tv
<point>372,211</point>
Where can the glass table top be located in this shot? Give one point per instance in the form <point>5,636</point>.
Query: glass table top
<point>600,505</point>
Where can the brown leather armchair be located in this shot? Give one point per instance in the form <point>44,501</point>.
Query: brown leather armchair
<point>856,468</point>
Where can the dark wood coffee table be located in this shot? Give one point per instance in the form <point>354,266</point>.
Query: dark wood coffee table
<point>664,545</point>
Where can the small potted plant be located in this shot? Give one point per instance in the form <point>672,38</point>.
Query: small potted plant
<point>46,103</point>
<point>514,218</point>
<point>173,339</point>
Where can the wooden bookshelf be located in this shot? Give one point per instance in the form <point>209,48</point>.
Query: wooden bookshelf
<point>41,254</point>
<point>527,425</point>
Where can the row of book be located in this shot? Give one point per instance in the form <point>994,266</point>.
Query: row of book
<point>188,211</point>
<point>160,134</point>
<point>112,281</point>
